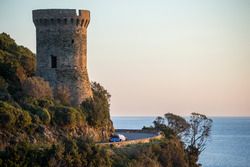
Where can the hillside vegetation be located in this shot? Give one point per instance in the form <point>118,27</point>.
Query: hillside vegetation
<point>40,128</point>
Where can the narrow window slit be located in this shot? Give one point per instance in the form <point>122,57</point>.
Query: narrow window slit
<point>53,61</point>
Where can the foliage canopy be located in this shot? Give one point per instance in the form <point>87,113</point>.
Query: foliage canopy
<point>97,108</point>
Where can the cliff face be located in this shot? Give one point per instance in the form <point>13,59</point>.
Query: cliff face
<point>30,113</point>
<point>49,135</point>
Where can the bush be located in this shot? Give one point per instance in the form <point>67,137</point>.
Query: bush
<point>42,113</point>
<point>11,116</point>
<point>3,84</point>
<point>28,102</point>
<point>37,88</point>
<point>67,116</point>
<point>16,64</point>
<point>45,103</point>
<point>7,115</point>
<point>21,54</point>
<point>24,119</point>
<point>13,73</point>
<point>39,114</point>
<point>168,153</point>
<point>68,153</point>
<point>97,108</point>
<point>4,94</point>
<point>62,93</point>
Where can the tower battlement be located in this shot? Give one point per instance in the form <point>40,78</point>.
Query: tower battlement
<point>61,37</point>
<point>61,17</point>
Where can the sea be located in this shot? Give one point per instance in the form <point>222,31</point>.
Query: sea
<point>228,145</point>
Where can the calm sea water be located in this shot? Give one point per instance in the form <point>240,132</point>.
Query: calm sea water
<point>229,145</point>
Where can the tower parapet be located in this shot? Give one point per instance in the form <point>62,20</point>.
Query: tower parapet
<point>61,36</point>
<point>61,17</point>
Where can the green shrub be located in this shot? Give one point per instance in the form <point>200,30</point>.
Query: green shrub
<point>42,113</point>
<point>7,115</point>
<point>28,102</point>
<point>23,55</point>
<point>67,116</point>
<point>38,108</point>
<point>3,84</point>
<point>67,153</point>
<point>168,153</point>
<point>24,119</point>
<point>4,94</point>
<point>97,108</point>
<point>16,64</point>
<point>13,73</point>
<point>45,103</point>
<point>12,116</point>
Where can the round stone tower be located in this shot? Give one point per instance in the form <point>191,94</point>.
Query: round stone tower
<point>61,40</point>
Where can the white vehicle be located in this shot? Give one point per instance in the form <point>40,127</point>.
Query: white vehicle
<point>117,138</point>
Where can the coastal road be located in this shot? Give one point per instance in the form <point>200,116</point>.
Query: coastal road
<point>136,134</point>
<point>134,137</point>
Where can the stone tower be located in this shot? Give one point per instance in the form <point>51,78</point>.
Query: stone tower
<point>61,39</point>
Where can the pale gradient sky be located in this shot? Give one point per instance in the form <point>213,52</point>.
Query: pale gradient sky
<point>158,56</point>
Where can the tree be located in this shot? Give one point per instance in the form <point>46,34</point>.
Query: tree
<point>198,132</point>
<point>97,108</point>
<point>37,88</point>
<point>177,123</point>
<point>159,123</point>
<point>194,132</point>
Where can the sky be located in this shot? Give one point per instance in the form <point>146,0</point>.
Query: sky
<point>158,56</point>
